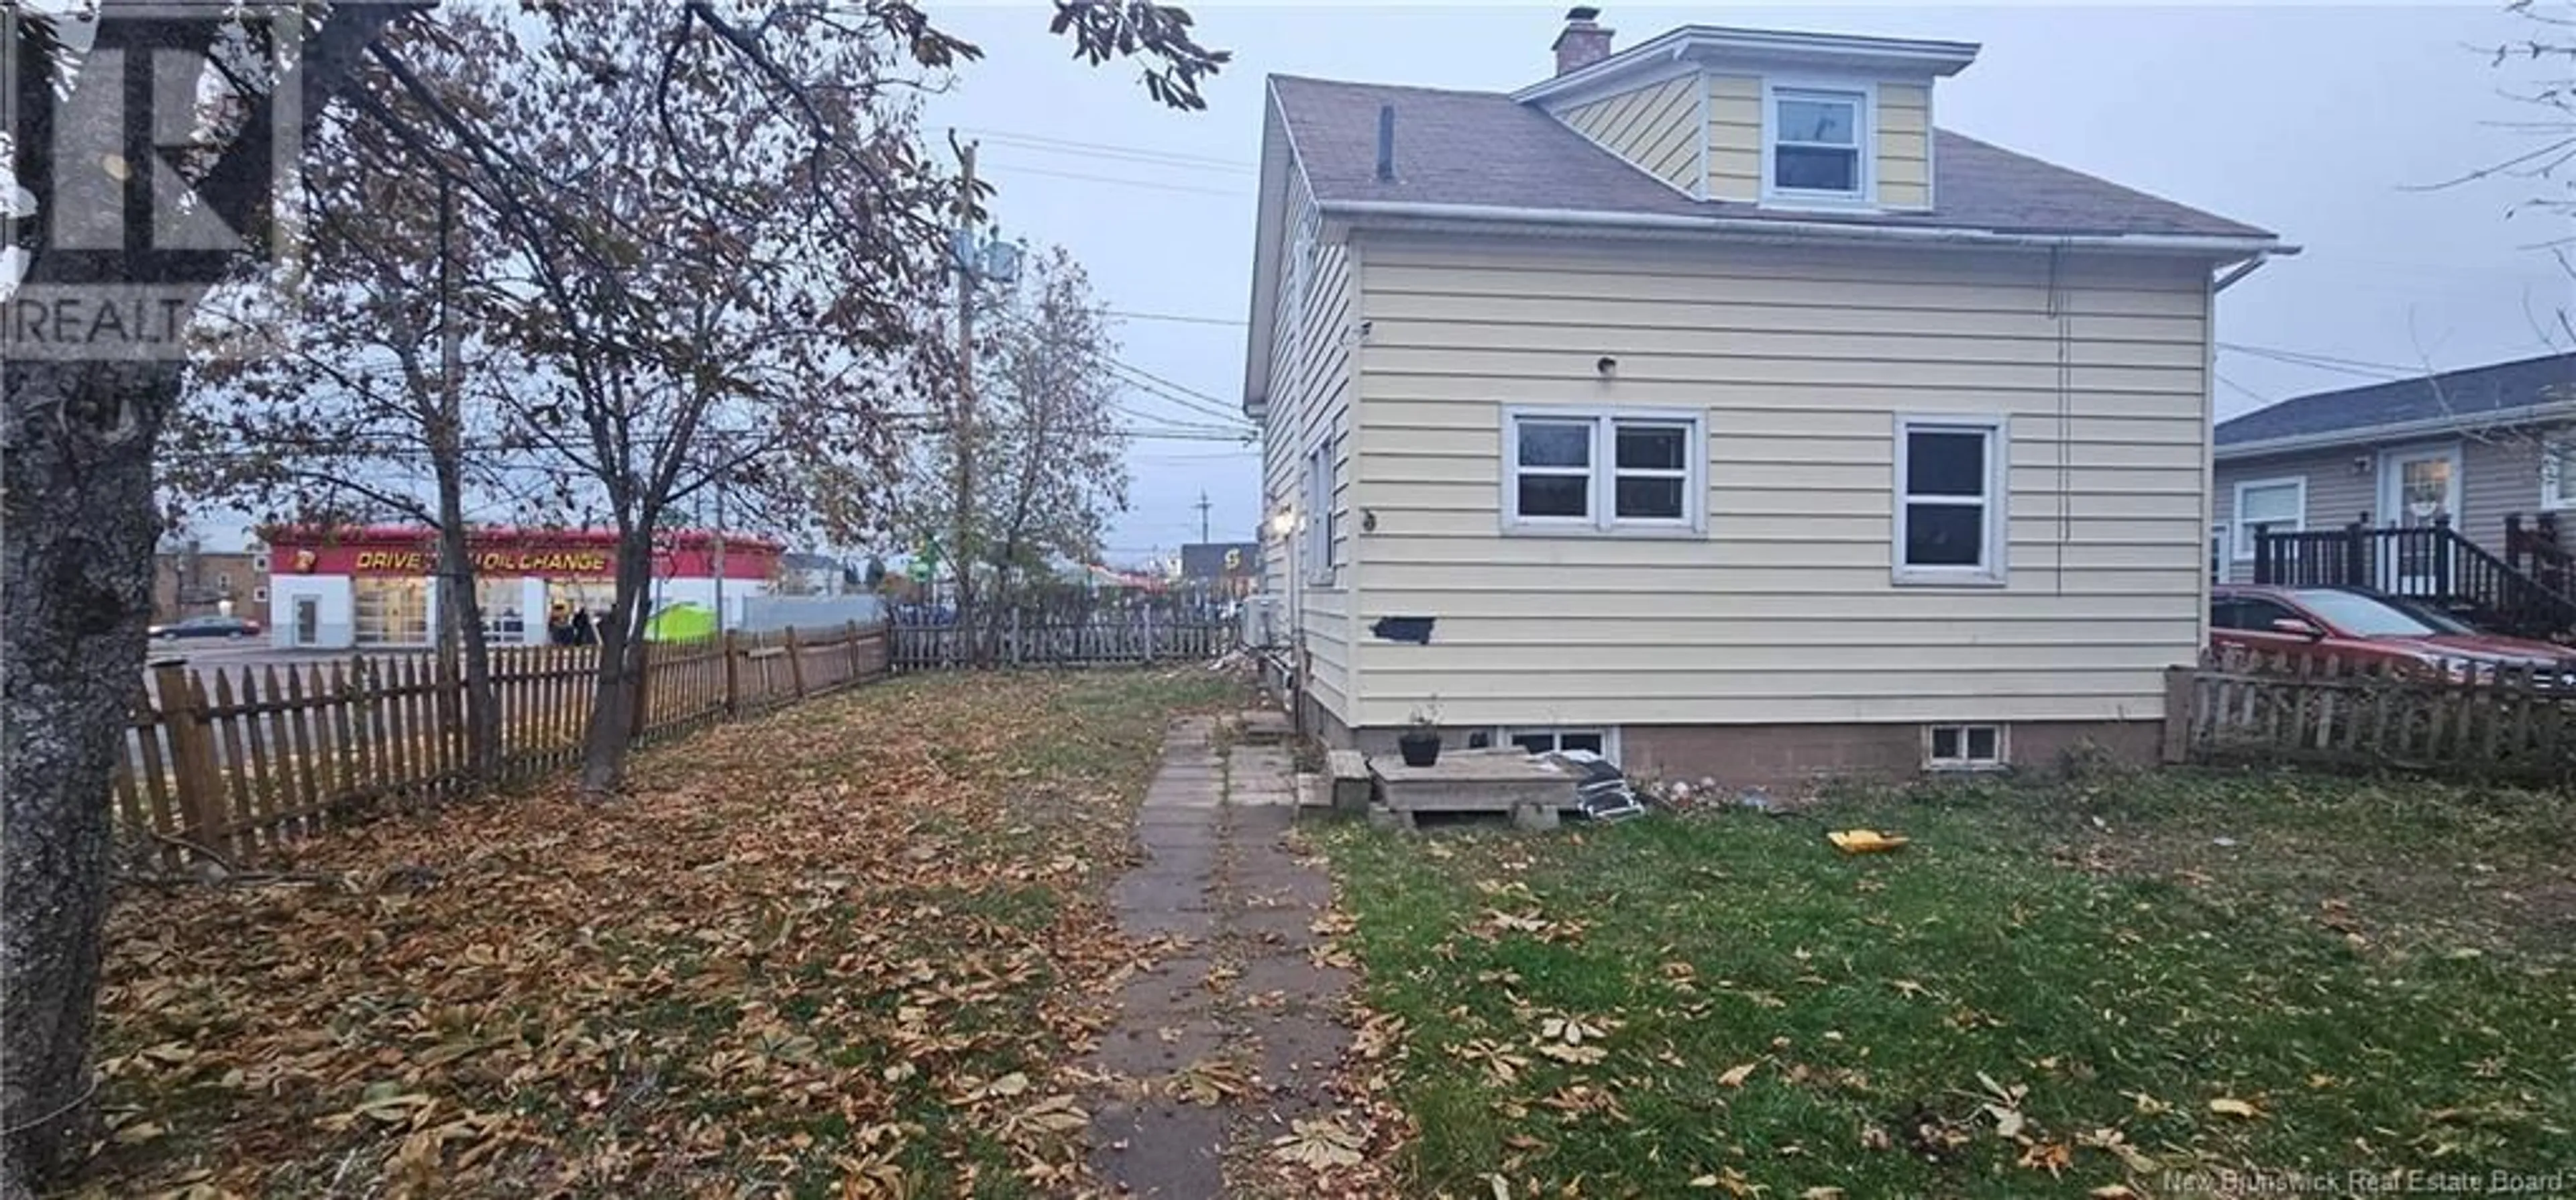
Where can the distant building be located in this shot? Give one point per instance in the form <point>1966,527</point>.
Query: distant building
<point>1230,567</point>
<point>374,586</point>
<point>803,574</point>
<point>188,582</point>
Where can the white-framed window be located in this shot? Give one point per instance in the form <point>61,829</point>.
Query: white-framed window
<point>1604,742</point>
<point>1963,747</point>
<point>1617,471</point>
<point>2558,474</point>
<point>1318,530</point>
<point>1950,499</point>
<point>1815,143</point>
<point>224,582</point>
<point>259,562</point>
<point>259,595</point>
<point>2280,505</point>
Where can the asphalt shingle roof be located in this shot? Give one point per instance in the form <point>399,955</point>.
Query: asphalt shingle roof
<point>2464,394</point>
<point>1486,149</point>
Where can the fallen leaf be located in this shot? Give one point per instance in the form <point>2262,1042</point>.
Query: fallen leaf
<point>2231,1107</point>
<point>1736,1075</point>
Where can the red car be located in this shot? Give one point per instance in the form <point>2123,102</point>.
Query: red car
<point>2359,625</point>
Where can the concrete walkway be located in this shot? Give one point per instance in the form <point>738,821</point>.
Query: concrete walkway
<point>1230,1034</point>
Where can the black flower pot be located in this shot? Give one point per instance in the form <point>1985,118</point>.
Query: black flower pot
<point>1419,749</point>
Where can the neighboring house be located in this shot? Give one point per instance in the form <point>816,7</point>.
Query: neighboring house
<point>804,574</point>
<point>1221,568</point>
<point>1707,403</point>
<point>2474,447</point>
<point>189,582</point>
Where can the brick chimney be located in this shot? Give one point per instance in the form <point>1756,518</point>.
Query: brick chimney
<point>1584,41</point>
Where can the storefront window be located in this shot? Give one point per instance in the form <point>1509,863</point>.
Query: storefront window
<point>500,600</point>
<point>391,612</point>
<point>565,597</point>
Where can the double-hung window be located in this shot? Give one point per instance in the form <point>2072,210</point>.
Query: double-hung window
<point>1950,502</point>
<point>1625,471</point>
<point>1815,140</point>
<point>1318,550</point>
<point>2276,505</point>
<point>2558,473</point>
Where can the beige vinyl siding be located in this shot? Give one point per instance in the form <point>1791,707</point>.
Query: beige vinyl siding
<point>1734,137</point>
<point>1798,362</point>
<point>1905,145</point>
<point>1310,395</point>
<point>1655,127</point>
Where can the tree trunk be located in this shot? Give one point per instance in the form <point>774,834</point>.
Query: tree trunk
<point>76,572</point>
<point>465,609</point>
<point>615,689</point>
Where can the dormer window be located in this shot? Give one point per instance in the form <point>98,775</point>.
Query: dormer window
<point>1815,138</point>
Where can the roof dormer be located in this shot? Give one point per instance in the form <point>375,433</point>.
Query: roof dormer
<point>1787,120</point>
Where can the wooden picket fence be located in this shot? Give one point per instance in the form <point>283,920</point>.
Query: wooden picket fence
<point>2512,724</point>
<point>226,762</point>
<point>1039,638</point>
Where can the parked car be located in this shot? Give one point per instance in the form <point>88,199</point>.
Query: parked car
<point>2359,625</point>
<point>207,627</point>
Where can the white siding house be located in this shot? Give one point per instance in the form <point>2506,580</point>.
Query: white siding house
<point>1735,488</point>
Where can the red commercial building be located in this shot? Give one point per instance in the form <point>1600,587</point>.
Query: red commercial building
<point>375,585</point>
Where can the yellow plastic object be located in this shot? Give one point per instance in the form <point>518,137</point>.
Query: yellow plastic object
<point>1865,841</point>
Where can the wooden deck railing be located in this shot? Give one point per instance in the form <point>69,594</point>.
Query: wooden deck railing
<point>226,761</point>
<point>2431,563</point>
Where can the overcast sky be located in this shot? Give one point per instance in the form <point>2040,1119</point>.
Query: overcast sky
<point>2321,123</point>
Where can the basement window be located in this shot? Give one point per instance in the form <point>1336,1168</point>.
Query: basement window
<point>1549,741</point>
<point>1964,747</point>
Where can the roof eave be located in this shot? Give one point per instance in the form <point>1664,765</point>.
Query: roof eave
<point>2362,435</point>
<point>1380,213</point>
<point>1722,46</point>
<point>1276,173</point>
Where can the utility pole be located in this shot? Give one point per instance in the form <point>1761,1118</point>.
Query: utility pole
<point>962,420</point>
<point>1203,515</point>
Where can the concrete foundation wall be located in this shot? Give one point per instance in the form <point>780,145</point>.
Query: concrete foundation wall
<point>1783,755</point>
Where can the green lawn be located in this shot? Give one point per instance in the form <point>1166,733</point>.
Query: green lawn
<point>2054,989</point>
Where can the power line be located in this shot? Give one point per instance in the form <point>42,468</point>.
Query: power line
<point>2326,362</point>
<point>2259,399</point>
<point>1172,317</point>
<point>1055,145</point>
<point>1228,193</point>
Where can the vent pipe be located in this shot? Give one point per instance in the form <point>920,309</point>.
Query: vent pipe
<point>1386,143</point>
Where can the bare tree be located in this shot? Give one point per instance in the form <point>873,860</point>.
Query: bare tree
<point>79,434</point>
<point>1046,445</point>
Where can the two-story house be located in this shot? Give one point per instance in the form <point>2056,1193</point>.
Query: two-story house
<point>1709,404</point>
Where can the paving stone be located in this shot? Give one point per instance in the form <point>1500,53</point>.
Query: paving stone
<point>1264,823</point>
<point>1160,1148</point>
<point>1161,891</point>
<point>1307,987</point>
<point>1156,1052</point>
<point>1301,1052</point>
<point>1185,857</point>
<point>1152,999</point>
<point>1185,923</point>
